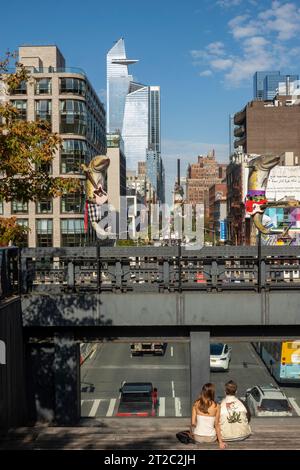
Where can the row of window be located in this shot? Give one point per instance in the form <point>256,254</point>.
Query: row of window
<point>43,86</point>
<point>70,203</point>
<point>74,118</point>
<point>71,232</point>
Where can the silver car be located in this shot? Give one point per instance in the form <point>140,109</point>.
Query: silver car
<point>268,401</point>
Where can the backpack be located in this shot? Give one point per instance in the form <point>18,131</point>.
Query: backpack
<point>185,437</point>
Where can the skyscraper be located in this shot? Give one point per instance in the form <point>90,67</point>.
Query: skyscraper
<point>266,84</point>
<point>133,110</point>
<point>118,81</point>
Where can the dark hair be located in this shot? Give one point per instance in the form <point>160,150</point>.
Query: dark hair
<point>230,387</point>
<point>206,398</point>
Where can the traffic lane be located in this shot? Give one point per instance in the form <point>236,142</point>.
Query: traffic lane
<point>102,376</point>
<point>245,368</point>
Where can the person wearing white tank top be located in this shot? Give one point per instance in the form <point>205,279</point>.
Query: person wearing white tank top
<point>206,417</point>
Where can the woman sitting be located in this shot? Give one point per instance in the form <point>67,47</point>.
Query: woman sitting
<point>206,417</point>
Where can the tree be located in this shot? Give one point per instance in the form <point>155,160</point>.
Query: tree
<point>26,150</point>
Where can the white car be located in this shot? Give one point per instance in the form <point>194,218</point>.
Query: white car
<point>268,401</point>
<point>220,355</point>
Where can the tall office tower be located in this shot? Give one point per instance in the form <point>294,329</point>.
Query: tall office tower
<point>141,125</point>
<point>133,109</point>
<point>66,99</point>
<point>155,173</point>
<point>118,82</point>
<point>266,84</point>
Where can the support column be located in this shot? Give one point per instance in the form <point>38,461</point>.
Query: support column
<point>66,380</point>
<point>199,362</point>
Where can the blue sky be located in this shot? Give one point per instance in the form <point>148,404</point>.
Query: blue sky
<point>202,53</point>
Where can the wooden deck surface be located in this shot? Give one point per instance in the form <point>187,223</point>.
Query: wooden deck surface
<point>147,434</point>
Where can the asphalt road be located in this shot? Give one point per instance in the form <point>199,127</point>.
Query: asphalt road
<point>104,371</point>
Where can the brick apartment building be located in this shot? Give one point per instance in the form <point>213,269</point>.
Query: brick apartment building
<point>200,176</point>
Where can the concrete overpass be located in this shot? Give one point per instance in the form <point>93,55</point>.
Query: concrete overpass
<point>66,296</point>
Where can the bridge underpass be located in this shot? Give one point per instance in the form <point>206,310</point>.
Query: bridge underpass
<point>67,299</point>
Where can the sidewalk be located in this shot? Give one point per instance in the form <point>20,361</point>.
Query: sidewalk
<point>147,434</point>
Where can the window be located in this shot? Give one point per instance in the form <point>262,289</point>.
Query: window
<point>73,117</point>
<point>43,109</point>
<point>19,207</point>
<point>21,107</point>
<point>72,85</point>
<point>43,86</point>
<point>73,154</point>
<point>44,233</point>
<point>20,90</point>
<point>23,223</point>
<point>44,206</point>
<point>72,202</point>
<point>72,232</point>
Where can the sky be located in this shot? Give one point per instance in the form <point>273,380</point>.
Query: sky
<point>202,53</point>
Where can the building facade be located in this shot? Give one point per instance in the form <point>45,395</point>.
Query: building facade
<point>65,98</point>
<point>266,84</point>
<point>200,176</point>
<point>268,127</point>
<point>217,211</point>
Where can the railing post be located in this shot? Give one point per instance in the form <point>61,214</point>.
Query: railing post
<point>71,274</point>
<point>98,267</point>
<point>259,263</point>
<point>179,266</point>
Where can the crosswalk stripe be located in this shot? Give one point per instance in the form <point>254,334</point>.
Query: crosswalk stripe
<point>94,408</point>
<point>111,407</point>
<point>82,402</point>
<point>177,404</point>
<point>294,405</point>
<point>162,406</point>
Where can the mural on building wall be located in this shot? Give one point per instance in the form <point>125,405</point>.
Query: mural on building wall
<point>286,222</point>
<point>277,220</point>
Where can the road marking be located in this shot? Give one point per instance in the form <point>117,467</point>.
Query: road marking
<point>162,406</point>
<point>94,408</point>
<point>93,353</point>
<point>294,405</point>
<point>177,404</point>
<point>173,389</point>
<point>172,351</point>
<point>140,366</point>
<point>82,402</point>
<point>111,407</point>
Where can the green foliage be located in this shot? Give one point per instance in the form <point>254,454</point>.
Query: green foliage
<point>26,149</point>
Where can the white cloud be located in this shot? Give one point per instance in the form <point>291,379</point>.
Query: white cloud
<point>221,64</point>
<point>228,3</point>
<point>265,40</point>
<point>216,48</point>
<point>205,73</point>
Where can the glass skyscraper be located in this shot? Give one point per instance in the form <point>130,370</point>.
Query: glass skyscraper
<point>266,84</point>
<point>118,82</point>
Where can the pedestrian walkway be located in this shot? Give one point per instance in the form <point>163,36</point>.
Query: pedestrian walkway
<point>107,407</point>
<point>146,434</point>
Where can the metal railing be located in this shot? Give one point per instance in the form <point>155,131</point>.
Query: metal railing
<point>159,269</point>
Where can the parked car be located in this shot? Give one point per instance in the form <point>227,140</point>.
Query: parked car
<point>138,399</point>
<point>220,356</point>
<point>268,401</point>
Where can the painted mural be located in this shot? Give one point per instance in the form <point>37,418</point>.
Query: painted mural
<point>285,221</point>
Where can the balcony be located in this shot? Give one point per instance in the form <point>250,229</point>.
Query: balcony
<point>240,117</point>
<point>240,142</point>
<point>239,131</point>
